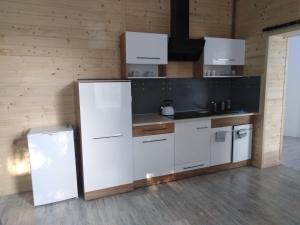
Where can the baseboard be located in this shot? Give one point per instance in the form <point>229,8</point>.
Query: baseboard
<point>108,192</point>
<point>162,179</point>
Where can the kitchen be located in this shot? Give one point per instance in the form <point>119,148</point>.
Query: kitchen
<point>182,108</point>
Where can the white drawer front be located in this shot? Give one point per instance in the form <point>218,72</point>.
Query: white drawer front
<point>153,156</point>
<point>192,141</point>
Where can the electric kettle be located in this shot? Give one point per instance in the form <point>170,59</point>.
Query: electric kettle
<point>167,108</point>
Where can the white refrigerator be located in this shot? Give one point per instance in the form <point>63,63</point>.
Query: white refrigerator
<point>53,167</point>
<point>106,134</point>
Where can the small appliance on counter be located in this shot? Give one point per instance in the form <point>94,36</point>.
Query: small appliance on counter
<point>167,108</point>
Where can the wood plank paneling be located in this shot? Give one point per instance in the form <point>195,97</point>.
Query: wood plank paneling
<point>252,17</point>
<point>46,45</point>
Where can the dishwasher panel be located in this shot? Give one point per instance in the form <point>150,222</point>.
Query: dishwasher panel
<point>242,143</point>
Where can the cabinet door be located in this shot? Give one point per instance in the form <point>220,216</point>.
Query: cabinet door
<point>223,51</point>
<point>146,48</point>
<point>107,162</point>
<point>221,150</point>
<point>242,145</point>
<point>105,109</point>
<point>153,156</point>
<point>192,144</point>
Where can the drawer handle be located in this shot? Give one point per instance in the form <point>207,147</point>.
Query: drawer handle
<point>106,137</point>
<point>191,167</point>
<point>226,59</point>
<point>157,140</point>
<point>201,128</point>
<point>144,57</point>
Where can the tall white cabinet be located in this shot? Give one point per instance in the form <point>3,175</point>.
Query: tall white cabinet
<point>106,136</point>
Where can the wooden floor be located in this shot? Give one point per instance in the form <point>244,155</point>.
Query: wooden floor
<point>247,196</point>
<point>291,152</point>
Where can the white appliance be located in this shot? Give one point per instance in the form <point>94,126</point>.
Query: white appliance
<point>53,167</point>
<point>221,145</point>
<point>242,143</point>
<point>106,134</point>
<point>167,110</point>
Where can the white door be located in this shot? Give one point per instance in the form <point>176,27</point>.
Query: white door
<point>146,48</point>
<point>53,168</point>
<point>242,143</point>
<point>153,156</point>
<point>105,109</point>
<point>192,144</point>
<point>107,162</point>
<point>221,145</point>
<point>224,51</point>
<point>106,134</point>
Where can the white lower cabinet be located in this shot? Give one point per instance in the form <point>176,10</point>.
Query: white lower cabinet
<point>153,156</point>
<point>192,144</point>
<point>221,145</point>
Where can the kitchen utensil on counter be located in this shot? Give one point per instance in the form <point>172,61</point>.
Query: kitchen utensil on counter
<point>228,105</point>
<point>222,106</point>
<point>167,108</point>
<point>213,106</point>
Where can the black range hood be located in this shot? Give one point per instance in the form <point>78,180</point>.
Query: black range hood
<point>181,48</point>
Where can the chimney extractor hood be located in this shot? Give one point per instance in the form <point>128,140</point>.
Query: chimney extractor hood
<point>181,48</point>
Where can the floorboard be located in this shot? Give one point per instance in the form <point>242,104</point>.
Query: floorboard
<point>245,196</point>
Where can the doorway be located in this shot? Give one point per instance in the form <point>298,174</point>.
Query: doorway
<point>291,130</point>
<point>273,95</point>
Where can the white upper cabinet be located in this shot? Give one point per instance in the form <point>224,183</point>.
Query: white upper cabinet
<point>224,51</point>
<point>146,48</point>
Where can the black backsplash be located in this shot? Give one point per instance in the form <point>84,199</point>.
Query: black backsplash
<point>189,94</point>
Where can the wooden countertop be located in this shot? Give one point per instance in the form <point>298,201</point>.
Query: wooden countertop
<point>149,119</point>
<point>152,119</point>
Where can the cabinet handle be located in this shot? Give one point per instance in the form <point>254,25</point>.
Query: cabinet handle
<point>105,137</point>
<point>144,57</point>
<point>225,59</point>
<point>201,128</point>
<point>157,140</point>
<point>191,167</point>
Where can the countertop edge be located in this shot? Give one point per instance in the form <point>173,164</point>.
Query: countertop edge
<point>199,118</point>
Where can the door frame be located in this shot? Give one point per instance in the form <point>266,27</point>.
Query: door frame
<point>284,34</point>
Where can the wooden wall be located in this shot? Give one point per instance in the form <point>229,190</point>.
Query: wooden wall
<point>252,17</point>
<point>45,45</point>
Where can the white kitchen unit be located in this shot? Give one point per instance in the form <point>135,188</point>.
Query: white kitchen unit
<point>221,145</point>
<point>146,48</point>
<point>53,167</point>
<point>153,156</point>
<point>192,144</point>
<point>106,134</point>
<point>224,51</point>
<point>242,143</point>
